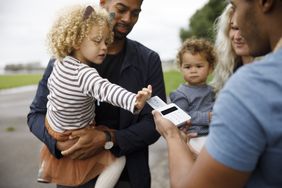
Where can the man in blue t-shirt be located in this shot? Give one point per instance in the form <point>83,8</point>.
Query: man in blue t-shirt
<point>244,147</point>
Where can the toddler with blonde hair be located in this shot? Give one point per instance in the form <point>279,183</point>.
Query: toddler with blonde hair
<point>78,39</point>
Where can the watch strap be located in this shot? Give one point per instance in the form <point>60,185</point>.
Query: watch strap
<point>108,136</point>
<point>109,143</point>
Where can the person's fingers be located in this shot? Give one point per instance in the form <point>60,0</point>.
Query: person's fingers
<point>149,91</point>
<point>139,95</point>
<point>188,123</point>
<point>71,150</point>
<point>63,145</point>
<point>184,136</point>
<point>68,132</point>
<point>150,88</point>
<point>186,126</point>
<point>78,133</point>
<point>157,117</point>
<point>62,137</point>
<point>156,114</point>
<point>144,93</point>
<point>192,134</point>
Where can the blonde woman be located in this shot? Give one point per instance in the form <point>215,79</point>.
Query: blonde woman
<point>231,47</point>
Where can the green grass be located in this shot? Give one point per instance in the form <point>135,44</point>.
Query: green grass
<point>10,129</point>
<point>17,80</point>
<point>172,80</point>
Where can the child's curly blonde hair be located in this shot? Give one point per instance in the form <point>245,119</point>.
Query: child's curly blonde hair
<point>73,26</point>
<point>197,46</point>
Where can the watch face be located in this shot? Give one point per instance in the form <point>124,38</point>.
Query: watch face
<point>109,145</point>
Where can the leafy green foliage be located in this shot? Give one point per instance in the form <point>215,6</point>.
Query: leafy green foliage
<point>202,22</point>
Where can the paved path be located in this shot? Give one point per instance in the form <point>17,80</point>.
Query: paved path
<point>20,149</point>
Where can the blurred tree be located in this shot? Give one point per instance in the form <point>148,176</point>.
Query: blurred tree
<point>201,24</point>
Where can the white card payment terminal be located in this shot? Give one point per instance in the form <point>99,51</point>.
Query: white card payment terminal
<point>170,111</point>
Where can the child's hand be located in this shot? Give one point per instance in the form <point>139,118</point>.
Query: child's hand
<point>142,96</point>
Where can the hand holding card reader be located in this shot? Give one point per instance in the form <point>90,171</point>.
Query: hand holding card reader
<point>169,111</point>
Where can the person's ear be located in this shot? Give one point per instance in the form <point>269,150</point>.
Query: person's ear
<point>266,5</point>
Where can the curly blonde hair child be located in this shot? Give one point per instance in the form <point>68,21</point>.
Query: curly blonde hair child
<point>71,27</point>
<point>79,38</point>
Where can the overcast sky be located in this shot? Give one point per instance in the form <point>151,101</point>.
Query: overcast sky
<point>25,23</point>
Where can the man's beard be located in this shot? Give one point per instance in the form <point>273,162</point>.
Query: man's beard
<point>119,35</point>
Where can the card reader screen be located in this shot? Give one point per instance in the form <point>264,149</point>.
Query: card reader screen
<point>167,111</point>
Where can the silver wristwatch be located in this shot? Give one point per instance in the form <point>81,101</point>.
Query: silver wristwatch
<point>109,142</point>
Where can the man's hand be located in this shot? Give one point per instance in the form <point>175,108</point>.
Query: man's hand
<point>90,141</point>
<point>165,127</point>
<point>64,145</point>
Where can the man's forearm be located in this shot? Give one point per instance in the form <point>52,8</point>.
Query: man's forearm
<point>35,122</point>
<point>180,161</point>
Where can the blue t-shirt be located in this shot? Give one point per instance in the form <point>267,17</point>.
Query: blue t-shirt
<point>246,128</point>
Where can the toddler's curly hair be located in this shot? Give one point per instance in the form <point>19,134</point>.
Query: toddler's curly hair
<point>71,27</point>
<point>197,46</point>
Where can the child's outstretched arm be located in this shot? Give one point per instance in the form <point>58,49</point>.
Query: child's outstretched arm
<point>142,96</point>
